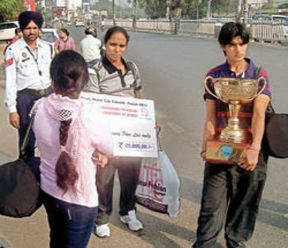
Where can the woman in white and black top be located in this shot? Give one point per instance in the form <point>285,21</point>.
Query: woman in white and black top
<point>115,76</point>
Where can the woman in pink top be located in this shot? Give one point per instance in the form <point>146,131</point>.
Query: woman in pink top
<point>72,138</point>
<point>65,42</point>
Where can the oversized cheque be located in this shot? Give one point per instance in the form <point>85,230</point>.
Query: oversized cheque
<point>132,122</point>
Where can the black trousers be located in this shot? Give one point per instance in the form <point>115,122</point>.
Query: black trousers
<point>128,171</point>
<point>231,195</point>
<point>25,103</point>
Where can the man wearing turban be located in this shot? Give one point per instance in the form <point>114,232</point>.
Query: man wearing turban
<point>27,64</point>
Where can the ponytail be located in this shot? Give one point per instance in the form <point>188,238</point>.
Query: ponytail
<point>65,169</point>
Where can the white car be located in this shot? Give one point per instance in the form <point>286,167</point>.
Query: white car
<point>49,34</point>
<point>79,24</point>
<point>7,30</point>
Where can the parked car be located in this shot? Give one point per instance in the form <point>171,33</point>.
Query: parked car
<point>79,24</point>
<point>7,30</point>
<point>49,34</point>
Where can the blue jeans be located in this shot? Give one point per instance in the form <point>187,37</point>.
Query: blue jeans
<point>71,225</point>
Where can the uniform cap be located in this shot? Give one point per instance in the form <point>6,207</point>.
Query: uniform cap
<point>27,16</point>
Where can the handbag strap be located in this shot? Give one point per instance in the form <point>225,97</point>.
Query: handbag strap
<point>26,137</point>
<point>159,143</point>
<point>270,108</point>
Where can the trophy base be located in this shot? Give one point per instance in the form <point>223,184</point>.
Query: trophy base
<point>222,152</point>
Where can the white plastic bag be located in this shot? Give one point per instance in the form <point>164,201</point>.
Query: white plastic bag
<point>158,185</point>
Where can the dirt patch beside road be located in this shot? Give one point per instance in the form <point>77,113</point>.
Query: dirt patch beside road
<point>2,47</point>
<point>2,73</point>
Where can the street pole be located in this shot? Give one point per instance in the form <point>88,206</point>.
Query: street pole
<point>120,9</point>
<point>240,9</point>
<point>245,11</point>
<point>113,11</point>
<point>197,9</point>
<point>168,14</point>
<point>68,13</point>
<point>135,8</point>
<point>209,9</point>
<point>134,14</point>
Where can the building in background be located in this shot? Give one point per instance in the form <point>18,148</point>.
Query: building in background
<point>86,6</point>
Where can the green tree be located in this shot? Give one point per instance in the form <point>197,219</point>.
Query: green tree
<point>222,6</point>
<point>195,9</point>
<point>9,9</point>
<point>283,6</point>
<point>154,8</point>
<point>177,7</point>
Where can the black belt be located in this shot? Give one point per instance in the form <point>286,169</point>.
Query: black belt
<point>43,92</point>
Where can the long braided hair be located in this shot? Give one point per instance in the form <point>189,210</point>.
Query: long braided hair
<point>69,74</point>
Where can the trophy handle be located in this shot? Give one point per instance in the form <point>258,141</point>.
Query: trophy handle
<point>207,88</point>
<point>264,85</point>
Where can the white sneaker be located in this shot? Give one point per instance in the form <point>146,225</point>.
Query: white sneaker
<point>102,231</point>
<point>131,220</point>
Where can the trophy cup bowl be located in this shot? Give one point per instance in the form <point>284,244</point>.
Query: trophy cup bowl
<point>235,92</point>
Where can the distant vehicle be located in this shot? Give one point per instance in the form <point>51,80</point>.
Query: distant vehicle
<point>48,25</point>
<point>270,18</point>
<point>79,24</point>
<point>49,34</point>
<point>265,18</point>
<point>7,30</point>
<point>93,22</point>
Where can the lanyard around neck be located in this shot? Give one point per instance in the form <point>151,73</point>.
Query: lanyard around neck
<point>35,58</point>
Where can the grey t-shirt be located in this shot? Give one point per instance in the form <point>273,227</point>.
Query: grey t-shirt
<point>109,80</point>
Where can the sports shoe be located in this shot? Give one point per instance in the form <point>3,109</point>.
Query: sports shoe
<point>102,231</point>
<point>131,220</point>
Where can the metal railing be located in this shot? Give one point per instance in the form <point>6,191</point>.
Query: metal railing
<point>197,27</point>
<point>271,32</point>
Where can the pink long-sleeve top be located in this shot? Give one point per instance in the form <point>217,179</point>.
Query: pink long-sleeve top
<point>88,132</point>
<point>62,45</point>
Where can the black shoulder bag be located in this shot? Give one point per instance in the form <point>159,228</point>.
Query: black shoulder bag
<point>19,184</point>
<point>275,136</point>
<point>276,133</point>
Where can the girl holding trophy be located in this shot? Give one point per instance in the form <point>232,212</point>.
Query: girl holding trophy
<point>241,182</point>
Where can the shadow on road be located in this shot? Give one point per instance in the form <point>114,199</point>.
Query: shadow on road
<point>190,190</point>
<point>272,213</point>
<point>157,232</point>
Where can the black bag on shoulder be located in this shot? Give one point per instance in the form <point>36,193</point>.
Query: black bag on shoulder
<point>276,133</point>
<point>20,193</point>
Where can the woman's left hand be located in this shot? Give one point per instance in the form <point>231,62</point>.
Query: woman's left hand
<point>249,160</point>
<point>100,159</point>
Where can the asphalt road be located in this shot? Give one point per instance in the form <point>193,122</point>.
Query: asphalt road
<point>173,69</point>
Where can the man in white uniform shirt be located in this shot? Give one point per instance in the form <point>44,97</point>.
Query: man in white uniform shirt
<point>27,63</point>
<point>91,46</point>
